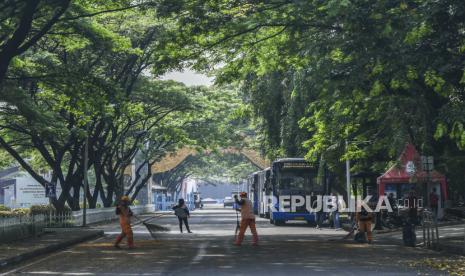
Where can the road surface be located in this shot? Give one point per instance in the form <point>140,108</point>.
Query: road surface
<point>294,249</point>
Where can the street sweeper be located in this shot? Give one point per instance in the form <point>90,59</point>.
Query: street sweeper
<point>247,218</point>
<point>124,212</point>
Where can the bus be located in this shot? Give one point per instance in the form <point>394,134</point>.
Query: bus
<point>263,185</point>
<point>294,176</point>
<point>252,190</point>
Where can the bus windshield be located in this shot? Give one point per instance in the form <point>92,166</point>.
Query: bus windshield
<point>296,182</point>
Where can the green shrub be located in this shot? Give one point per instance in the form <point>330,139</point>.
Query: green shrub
<point>41,209</point>
<point>7,214</point>
<point>21,211</point>
<point>4,208</point>
<point>46,209</point>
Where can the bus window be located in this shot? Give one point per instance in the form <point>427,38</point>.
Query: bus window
<point>296,183</point>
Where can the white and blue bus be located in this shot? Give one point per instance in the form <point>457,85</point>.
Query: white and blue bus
<point>253,190</point>
<point>291,177</point>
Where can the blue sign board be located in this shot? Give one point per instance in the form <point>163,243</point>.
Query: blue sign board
<point>51,190</point>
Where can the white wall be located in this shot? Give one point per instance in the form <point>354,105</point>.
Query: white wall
<point>108,214</point>
<point>9,198</point>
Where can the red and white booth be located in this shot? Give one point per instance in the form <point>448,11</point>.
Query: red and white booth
<point>407,174</point>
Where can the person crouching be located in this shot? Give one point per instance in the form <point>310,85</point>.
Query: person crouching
<point>124,212</point>
<point>364,219</point>
<point>247,219</point>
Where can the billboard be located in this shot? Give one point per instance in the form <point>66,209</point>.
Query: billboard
<point>29,192</point>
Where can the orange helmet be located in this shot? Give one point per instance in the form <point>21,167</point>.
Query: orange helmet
<point>243,194</point>
<point>124,198</point>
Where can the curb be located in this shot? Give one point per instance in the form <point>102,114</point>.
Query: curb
<point>448,249</point>
<point>48,249</point>
<point>451,223</point>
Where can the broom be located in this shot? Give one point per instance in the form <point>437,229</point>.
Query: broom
<point>152,227</point>
<point>352,231</point>
<point>238,226</point>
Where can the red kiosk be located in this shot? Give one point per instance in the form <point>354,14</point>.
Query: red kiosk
<point>407,175</point>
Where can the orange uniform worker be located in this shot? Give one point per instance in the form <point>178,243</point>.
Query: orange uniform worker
<point>364,219</point>
<point>125,214</point>
<point>247,219</point>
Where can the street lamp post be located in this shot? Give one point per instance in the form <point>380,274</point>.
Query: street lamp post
<point>348,176</point>
<point>86,183</point>
<point>427,163</point>
<point>348,170</point>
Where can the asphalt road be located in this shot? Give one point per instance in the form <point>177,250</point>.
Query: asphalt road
<point>294,249</point>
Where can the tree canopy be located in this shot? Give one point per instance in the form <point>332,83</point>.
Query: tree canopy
<point>317,73</point>
<point>293,78</point>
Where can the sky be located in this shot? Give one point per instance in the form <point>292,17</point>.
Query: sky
<point>188,77</point>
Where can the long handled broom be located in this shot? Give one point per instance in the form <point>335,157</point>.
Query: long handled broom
<point>152,227</point>
<point>238,226</point>
<point>351,232</point>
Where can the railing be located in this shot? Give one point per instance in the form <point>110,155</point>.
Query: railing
<point>59,220</point>
<point>19,227</point>
<point>164,206</point>
<point>13,228</point>
<point>430,230</point>
<point>24,226</point>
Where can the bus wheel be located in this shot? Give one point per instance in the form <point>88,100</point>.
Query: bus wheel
<point>280,222</point>
<point>272,221</point>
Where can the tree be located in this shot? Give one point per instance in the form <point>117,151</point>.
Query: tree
<point>24,23</point>
<point>377,74</point>
<point>86,91</point>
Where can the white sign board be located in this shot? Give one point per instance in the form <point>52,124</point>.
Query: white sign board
<point>410,168</point>
<point>29,192</point>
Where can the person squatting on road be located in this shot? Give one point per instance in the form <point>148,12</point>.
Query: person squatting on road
<point>182,212</point>
<point>364,219</point>
<point>124,212</point>
<point>247,219</point>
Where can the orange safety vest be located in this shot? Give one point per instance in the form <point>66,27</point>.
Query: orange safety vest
<point>247,209</point>
<point>124,215</point>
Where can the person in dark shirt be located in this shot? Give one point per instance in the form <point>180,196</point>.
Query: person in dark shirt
<point>412,207</point>
<point>434,202</point>
<point>392,202</point>
<point>182,212</point>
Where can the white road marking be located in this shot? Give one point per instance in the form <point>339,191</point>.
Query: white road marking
<point>200,253</point>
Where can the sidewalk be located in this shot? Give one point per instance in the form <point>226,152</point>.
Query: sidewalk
<point>51,241</point>
<point>451,237</point>
<point>454,245</point>
<point>55,239</point>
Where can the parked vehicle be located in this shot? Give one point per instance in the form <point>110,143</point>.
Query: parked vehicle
<point>228,202</point>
